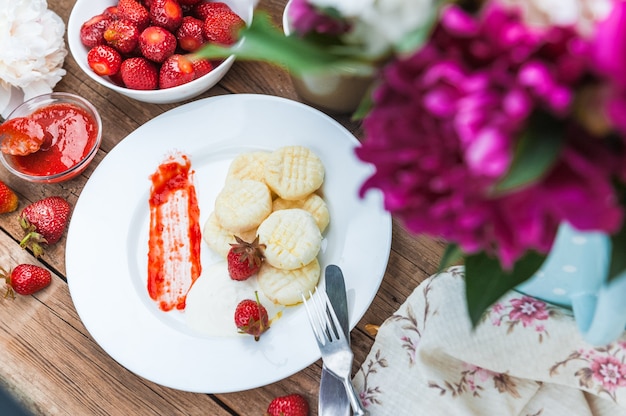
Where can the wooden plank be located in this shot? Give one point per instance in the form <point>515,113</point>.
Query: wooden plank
<point>53,366</point>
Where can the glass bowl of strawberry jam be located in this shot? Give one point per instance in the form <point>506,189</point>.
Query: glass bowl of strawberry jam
<point>50,138</point>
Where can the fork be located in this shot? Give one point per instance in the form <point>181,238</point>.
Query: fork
<point>333,344</point>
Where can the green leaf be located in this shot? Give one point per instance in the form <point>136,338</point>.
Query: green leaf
<point>365,105</point>
<point>486,281</point>
<point>618,260</point>
<point>535,154</point>
<point>263,41</point>
<point>451,255</point>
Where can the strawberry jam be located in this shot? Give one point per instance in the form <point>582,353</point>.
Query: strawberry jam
<point>70,134</point>
<point>175,234</point>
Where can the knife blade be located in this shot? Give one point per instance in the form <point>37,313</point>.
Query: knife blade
<point>332,399</point>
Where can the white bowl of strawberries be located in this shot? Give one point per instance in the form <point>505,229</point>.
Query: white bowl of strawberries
<point>143,48</point>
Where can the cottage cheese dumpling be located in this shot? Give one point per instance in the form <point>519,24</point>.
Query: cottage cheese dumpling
<point>242,205</point>
<point>294,172</point>
<point>250,165</point>
<point>219,238</point>
<point>313,203</point>
<point>291,237</point>
<point>286,286</point>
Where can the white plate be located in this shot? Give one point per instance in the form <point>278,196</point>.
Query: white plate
<point>107,242</point>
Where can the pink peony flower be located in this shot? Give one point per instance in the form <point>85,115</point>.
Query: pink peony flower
<point>609,372</point>
<point>609,44</point>
<point>306,19</point>
<point>445,125</point>
<point>527,310</point>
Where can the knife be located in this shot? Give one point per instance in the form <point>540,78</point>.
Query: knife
<point>332,397</point>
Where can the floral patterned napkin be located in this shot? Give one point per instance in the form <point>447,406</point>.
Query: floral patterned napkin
<point>526,358</point>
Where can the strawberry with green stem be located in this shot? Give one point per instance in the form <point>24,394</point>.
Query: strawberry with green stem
<point>44,221</point>
<point>25,279</point>
<point>251,317</point>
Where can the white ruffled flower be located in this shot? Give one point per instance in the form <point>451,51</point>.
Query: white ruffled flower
<point>32,49</point>
<point>583,14</point>
<point>381,25</point>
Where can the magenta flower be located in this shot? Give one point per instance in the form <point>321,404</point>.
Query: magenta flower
<point>609,372</point>
<point>527,310</point>
<point>307,19</point>
<point>445,124</point>
<point>609,44</point>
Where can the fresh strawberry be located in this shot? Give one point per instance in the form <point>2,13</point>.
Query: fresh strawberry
<point>166,13</point>
<point>251,317</point>
<point>44,222</point>
<point>25,279</point>
<point>21,136</point>
<point>117,78</point>
<point>222,25</point>
<point>157,43</point>
<point>112,13</point>
<point>201,67</point>
<point>290,405</point>
<point>135,12</point>
<point>104,60</point>
<point>176,70</point>
<point>190,34</point>
<point>8,199</point>
<point>203,9</point>
<point>123,35</point>
<point>244,259</point>
<point>138,73</point>
<point>92,31</point>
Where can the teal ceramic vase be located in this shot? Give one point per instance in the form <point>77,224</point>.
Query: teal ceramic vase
<point>575,275</point>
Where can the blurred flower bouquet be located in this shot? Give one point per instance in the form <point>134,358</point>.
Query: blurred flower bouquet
<point>491,124</point>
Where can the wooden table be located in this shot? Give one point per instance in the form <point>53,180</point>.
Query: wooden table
<point>50,363</point>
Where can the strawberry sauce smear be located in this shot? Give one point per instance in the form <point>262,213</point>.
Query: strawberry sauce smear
<point>175,233</point>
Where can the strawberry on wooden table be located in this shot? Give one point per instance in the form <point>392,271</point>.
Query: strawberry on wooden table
<point>244,259</point>
<point>290,405</point>
<point>44,222</point>
<point>25,279</point>
<point>8,199</point>
<point>251,317</point>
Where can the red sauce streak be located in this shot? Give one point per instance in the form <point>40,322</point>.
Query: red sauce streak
<point>175,234</point>
<point>70,133</point>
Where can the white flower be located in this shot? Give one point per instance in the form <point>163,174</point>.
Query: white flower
<point>579,13</point>
<point>32,48</point>
<point>381,24</point>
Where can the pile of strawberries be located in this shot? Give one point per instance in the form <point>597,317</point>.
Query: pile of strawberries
<point>147,44</point>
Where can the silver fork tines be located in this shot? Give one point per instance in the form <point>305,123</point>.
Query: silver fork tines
<point>333,344</point>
